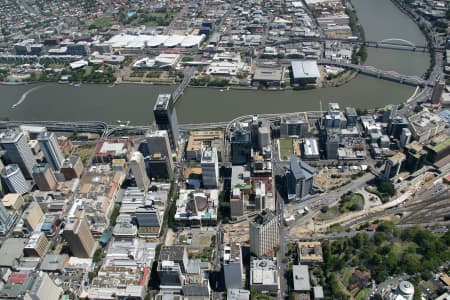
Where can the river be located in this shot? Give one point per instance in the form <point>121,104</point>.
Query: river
<point>134,102</point>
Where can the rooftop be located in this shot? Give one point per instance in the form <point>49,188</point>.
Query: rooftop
<point>300,274</point>
<point>305,69</point>
<point>163,101</point>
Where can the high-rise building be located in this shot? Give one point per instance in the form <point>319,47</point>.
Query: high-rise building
<point>264,135</point>
<point>166,118</point>
<point>17,151</point>
<point>158,143</point>
<point>7,219</point>
<point>294,126</point>
<point>52,152</point>
<point>351,115</point>
<point>33,216</point>
<point>37,245</point>
<point>405,137</point>
<point>72,167</point>
<point>236,203</point>
<point>137,166</point>
<point>439,87</point>
<point>80,239</point>
<point>300,179</point>
<point>241,145</point>
<point>44,288</point>
<point>160,166</point>
<point>210,168</point>
<point>394,165</point>
<point>44,178</point>
<point>264,233</point>
<point>15,181</point>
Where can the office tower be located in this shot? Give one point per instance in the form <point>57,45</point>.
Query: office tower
<point>264,139</point>
<point>405,137</point>
<point>264,233</point>
<point>160,166</point>
<point>166,118</point>
<point>81,242</point>
<point>260,195</point>
<point>351,115</point>
<point>396,126</point>
<point>236,203</point>
<point>210,168</point>
<point>44,178</point>
<point>17,151</point>
<point>300,179</point>
<point>389,113</point>
<point>158,143</point>
<point>137,166</point>
<point>7,219</point>
<point>332,145</point>
<point>37,245</point>
<point>439,87</point>
<point>294,126</point>
<point>241,145</point>
<point>334,118</point>
<point>15,181</point>
<point>44,288</point>
<point>394,165</point>
<point>72,167</point>
<point>32,216</point>
<point>52,152</point>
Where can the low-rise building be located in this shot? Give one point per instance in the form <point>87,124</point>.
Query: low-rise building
<point>309,252</point>
<point>300,276</point>
<point>264,275</point>
<point>197,208</point>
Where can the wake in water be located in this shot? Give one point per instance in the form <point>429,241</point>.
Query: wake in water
<point>25,95</point>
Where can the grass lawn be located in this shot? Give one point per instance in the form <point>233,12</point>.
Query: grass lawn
<point>346,274</point>
<point>362,294</point>
<point>332,212</point>
<point>352,202</point>
<point>286,149</point>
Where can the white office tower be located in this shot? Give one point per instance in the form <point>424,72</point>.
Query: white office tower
<point>137,167</point>
<point>17,151</point>
<point>210,168</point>
<point>405,137</point>
<point>15,181</point>
<point>52,152</point>
<point>264,234</point>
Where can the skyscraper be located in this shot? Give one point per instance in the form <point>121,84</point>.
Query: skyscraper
<point>166,118</point>
<point>210,168</point>
<point>263,233</point>
<point>52,152</point>
<point>44,178</point>
<point>137,166</point>
<point>79,237</point>
<point>15,181</point>
<point>158,145</point>
<point>439,87</point>
<point>17,151</point>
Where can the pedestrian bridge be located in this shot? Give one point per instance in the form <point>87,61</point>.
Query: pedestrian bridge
<point>372,71</point>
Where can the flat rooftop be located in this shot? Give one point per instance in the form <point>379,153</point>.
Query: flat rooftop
<point>305,69</point>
